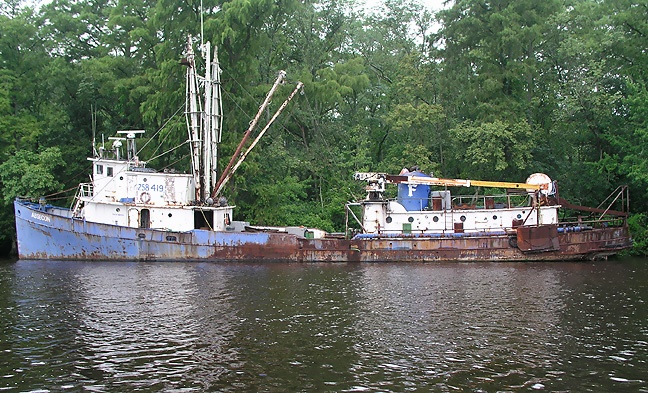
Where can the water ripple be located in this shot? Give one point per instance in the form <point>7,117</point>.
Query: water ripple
<point>111,327</point>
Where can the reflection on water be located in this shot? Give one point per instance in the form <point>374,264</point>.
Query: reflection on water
<point>457,325</point>
<point>115,327</point>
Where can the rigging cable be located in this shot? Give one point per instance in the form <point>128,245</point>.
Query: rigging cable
<point>160,130</point>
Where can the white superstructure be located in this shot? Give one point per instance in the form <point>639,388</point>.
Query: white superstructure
<point>125,192</point>
<point>420,210</point>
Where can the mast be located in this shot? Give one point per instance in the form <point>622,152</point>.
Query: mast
<point>206,164</point>
<point>204,119</point>
<point>212,121</point>
<point>228,175</point>
<point>216,128</point>
<point>266,102</point>
<point>94,130</point>
<point>193,118</point>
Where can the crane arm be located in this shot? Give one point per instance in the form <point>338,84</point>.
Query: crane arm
<point>435,181</point>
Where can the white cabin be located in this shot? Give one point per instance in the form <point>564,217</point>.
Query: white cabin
<point>125,192</point>
<point>420,210</point>
<point>389,216</point>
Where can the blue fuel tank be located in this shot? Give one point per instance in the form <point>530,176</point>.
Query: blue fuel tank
<point>414,197</point>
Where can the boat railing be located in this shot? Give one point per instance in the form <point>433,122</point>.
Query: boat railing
<point>613,211</point>
<point>563,227</point>
<point>348,211</point>
<point>84,190</point>
<point>593,223</point>
<point>509,201</point>
<point>465,202</point>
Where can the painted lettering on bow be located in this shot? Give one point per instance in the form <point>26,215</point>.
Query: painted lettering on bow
<point>41,217</point>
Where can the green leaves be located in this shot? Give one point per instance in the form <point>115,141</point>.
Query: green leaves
<point>494,150</point>
<point>415,122</point>
<point>638,224</point>
<point>30,174</point>
<point>503,89</point>
<point>491,55</point>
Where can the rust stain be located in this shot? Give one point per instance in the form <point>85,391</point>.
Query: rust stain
<point>538,238</point>
<point>532,244</point>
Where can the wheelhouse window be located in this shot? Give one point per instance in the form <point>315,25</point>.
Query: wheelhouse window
<point>109,171</point>
<point>99,169</point>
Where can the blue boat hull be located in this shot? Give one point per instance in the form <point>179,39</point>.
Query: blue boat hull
<point>51,233</point>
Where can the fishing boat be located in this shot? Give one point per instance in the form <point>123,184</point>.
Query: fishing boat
<point>132,212</point>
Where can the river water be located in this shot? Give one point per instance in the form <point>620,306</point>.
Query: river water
<point>194,327</point>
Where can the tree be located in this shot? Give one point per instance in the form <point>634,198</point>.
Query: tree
<point>26,174</point>
<point>505,88</point>
<point>29,174</point>
<point>494,150</point>
<point>491,53</point>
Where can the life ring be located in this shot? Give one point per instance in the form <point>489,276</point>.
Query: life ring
<point>145,197</point>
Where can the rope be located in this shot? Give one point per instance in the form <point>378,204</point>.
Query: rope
<point>206,220</point>
<point>176,161</point>
<point>159,131</point>
<point>49,196</point>
<point>60,192</point>
<point>169,151</point>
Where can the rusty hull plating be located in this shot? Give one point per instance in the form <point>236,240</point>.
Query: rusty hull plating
<point>45,233</point>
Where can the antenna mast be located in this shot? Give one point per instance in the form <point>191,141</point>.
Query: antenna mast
<point>202,25</point>
<point>194,117</point>
<point>93,114</point>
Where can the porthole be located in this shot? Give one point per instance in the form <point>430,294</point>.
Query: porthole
<point>388,219</point>
<point>144,180</point>
<point>410,219</point>
<point>494,217</point>
<point>462,218</point>
<point>170,215</point>
<point>435,219</point>
<point>118,210</point>
<point>121,177</point>
<point>519,216</point>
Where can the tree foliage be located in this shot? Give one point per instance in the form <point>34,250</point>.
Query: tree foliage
<point>491,90</point>
<point>28,174</point>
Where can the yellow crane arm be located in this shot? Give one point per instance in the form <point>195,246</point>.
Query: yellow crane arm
<point>435,181</point>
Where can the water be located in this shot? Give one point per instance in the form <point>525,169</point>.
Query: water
<point>483,327</point>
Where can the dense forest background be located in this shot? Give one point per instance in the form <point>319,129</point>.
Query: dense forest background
<point>491,90</point>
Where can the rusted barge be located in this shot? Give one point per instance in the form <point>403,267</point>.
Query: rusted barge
<point>130,211</point>
<point>490,230</point>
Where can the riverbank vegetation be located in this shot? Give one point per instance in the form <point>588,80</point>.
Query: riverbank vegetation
<point>491,90</point>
